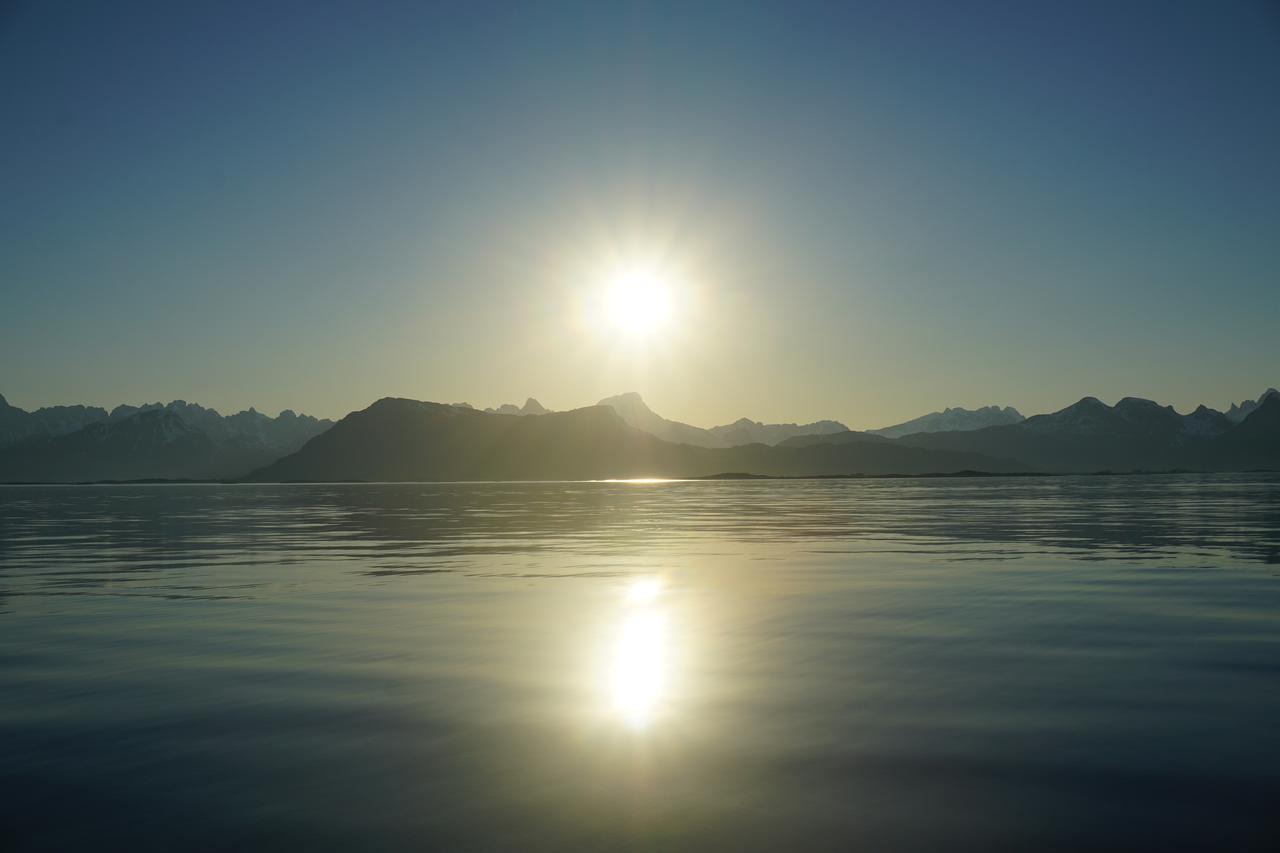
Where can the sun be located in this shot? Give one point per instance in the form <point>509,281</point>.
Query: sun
<point>637,301</point>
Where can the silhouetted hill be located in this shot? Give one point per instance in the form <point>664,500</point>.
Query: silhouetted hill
<point>832,438</point>
<point>398,439</point>
<point>953,420</point>
<point>1135,434</point>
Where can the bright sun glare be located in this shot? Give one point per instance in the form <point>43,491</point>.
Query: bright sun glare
<point>638,302</point>
<point>639,663</point>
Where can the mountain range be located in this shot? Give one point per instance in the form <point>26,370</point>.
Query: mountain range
<point>632,409</point>
<point>399,439</point>
<point>1134,434</point>
<point>16,423</point>
<point>530,407</point>
<point>953,420</point>
<point>178,440</point>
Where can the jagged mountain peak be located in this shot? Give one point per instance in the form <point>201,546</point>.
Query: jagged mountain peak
<point>630,399</point>
<point>1239,411</point>
<point>175,439</point>
<point>1264,420</point>
<point>632,408</point>
<point>1205,421</point>
<point>531,407</point>
<point>593,442</point>
<point>953,419</point>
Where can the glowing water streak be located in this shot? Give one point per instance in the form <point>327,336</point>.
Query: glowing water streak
<point>639,668</point>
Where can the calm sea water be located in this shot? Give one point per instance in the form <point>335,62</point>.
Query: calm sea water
<point>881,665</point>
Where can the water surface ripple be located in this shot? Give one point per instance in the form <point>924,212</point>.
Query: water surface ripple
<point>921,664</point>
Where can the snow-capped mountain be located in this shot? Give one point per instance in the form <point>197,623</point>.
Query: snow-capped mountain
<point>953,420</point>
<point>174,440</point>
<point>284,433</point>
<point>16,423</point>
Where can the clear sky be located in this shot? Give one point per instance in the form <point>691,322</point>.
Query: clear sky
<point>872,210</point>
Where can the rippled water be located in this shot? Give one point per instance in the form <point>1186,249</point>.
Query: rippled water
<point>880,665</point>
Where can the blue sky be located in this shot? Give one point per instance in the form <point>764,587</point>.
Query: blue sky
<point>877,209</point>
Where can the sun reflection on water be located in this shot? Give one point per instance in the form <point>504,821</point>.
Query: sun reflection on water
<point>638,672</point>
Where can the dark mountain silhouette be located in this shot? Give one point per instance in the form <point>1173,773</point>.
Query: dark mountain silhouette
<point>747,431</point>
<point>632,409</point>
<point>283,434</point>
<point>1253,443</point>
<point>1135,434</point>
<point>155,443</point>
<point>249,429</point>
<point>635,412</point>
<point>17,424</point>
<point>530,407</point>
<point>1262,423</point>
<point>833,438</point>
<point>398,439</point>
<point>1205,421</point>
<point>953,420</point>
<point>1239,412</point>
<point>180,440</point>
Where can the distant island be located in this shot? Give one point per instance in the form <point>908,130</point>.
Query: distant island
<point>397,439</point>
